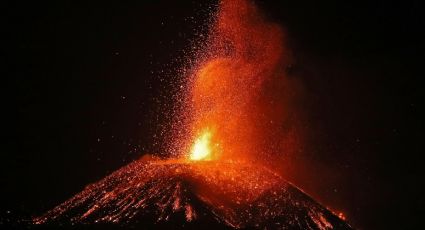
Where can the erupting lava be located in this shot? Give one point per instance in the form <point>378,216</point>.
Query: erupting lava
<point>201,149</point>
<point>239,101</point>
<point>237,117</point>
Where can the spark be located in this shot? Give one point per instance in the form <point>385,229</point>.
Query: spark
<point>219,171</point>
<point>239,195</point>
<point>201,149</point>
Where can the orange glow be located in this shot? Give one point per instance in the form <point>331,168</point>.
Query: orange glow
<point>201,149</point>
<point>341,215</point>
<point>239,195</point>
<point>237,124</point>
<point>238,88</point>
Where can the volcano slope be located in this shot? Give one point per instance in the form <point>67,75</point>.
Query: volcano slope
<point>183,194</point>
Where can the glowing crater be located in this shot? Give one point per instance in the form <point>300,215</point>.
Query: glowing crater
<point>201,149</point>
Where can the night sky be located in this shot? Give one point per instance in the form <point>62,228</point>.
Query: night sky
<point>89,87</point>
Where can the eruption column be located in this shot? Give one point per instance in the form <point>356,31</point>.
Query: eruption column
<point>238,118</point>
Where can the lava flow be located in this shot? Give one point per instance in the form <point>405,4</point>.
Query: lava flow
<point>237,118</point>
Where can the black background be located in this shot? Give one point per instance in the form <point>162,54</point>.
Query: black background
<point>86,87</point>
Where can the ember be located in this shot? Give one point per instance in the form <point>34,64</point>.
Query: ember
<point>235,110</point>
<point>201,149</point>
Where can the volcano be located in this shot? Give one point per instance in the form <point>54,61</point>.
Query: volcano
<point>184,194</point>
<point>237,120</point>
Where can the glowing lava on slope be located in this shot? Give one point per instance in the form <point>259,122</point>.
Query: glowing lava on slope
<point>186,194</point>
<point>237,117</point>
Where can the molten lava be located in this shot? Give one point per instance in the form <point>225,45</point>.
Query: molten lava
<point>203,194</point>
<point>201,149</point>
<point>238,120</point>
<point>239,89</point>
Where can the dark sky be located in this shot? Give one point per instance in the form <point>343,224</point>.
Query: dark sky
<point>87,86</point>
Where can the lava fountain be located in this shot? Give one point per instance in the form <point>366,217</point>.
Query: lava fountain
<point>237,118</point>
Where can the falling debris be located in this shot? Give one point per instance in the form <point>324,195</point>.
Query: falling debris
<point>236,101</point>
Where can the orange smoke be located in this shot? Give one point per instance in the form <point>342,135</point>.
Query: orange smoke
<point>239,90</point>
